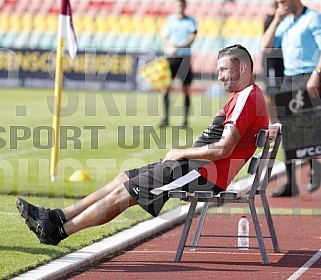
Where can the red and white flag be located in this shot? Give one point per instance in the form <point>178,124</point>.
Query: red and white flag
<point>66,27</point>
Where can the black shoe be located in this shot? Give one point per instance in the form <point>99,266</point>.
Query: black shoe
<point>164,123</point>
<point>285,190</point>
<point>185,123</point>
<point>38,221</point>
<point>315,180</point>
<point>312,187</point>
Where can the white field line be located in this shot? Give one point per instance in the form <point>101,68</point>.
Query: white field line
<point>306,266</point>
<point>8,213</point>
<point>14,153</point>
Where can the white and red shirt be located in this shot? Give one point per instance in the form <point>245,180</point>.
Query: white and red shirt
<point>247,111</point>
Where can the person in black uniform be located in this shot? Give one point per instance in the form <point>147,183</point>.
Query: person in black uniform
<point>273,70</point>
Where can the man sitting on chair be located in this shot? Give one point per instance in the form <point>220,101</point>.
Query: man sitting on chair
<point>227,144</point>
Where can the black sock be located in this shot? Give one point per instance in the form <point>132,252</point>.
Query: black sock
<point>59,233</point>
<point>166,106</point>
<point>57,216</point>
<point>290,172</point>
<point>63,233</point>
<point>187,104</point>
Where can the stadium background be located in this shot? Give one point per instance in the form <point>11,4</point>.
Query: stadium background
<point>115,37</point>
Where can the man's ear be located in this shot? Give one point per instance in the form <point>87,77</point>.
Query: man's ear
<point>243,67</point>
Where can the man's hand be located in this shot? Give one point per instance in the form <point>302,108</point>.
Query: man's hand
<point>213,151</point>
<point>170,51</point>
<point>313,86</point>
<point>281,13</point>
<point>174,154</point>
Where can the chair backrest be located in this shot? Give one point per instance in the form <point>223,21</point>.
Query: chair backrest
<point>262,163</point>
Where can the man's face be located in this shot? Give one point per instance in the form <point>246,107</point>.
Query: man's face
<point>179,8</point>
<point>286,5</point>
<point>229,73</point>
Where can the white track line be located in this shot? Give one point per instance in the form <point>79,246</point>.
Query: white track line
<point>217,253</point>
<point>306,266</point>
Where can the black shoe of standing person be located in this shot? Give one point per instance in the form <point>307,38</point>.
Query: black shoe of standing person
<point>185,123</point>
<point>45,223</point>
<point>164,123</point>
<point>315,180</point>
<point>285,190</point>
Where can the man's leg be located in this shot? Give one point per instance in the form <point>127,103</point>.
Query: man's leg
<point>75,209</point>
<point>315,179</point>
<point>101,211</point>
<point>174,66</point>
<point>187,103</point>
<point>95,209</point>
<point>270,102</point>
<point>290,188</point>
<point>165,121</point>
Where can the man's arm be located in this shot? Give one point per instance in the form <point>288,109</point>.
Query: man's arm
<point>214,151</point>
<point>190,40</point>
<point>167,41</point>
<point>170,47</point>
<point>173,47</point>
<point>313,84</point>
<point>268,36</point>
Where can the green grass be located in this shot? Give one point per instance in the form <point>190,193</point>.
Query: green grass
<point>25,159</point>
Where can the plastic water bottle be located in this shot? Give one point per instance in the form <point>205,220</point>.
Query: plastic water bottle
<point>243,233</point>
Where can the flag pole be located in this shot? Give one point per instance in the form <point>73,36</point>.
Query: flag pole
<point>65,30</point>
<point>58,90</point>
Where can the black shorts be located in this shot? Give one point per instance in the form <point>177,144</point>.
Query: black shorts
<point>273,71</point>
<point>295,83</point>
<point>143,180</point>
<point>181,68</point>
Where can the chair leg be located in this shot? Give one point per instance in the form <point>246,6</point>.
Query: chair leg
<point>258,232</point>
<point>269,221</point>
<point>185,232</point>
<point>199,227</point>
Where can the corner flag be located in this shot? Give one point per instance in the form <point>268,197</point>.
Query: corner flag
<point>65,30</point>
<point>66,13</point>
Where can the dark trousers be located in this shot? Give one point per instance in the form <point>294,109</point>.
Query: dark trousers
<point>294,83</point>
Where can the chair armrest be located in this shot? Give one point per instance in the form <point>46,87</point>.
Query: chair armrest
<point>229,195</point>
<point>203,194</point>
<point>177,194</point>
